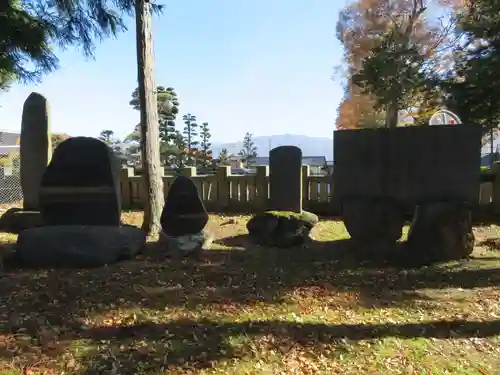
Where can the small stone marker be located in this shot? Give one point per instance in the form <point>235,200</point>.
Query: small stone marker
<point>184,213</point>
<point>35,149</point>
<point>285,179</point>
<point>183,220</point>
<point>80,185</point>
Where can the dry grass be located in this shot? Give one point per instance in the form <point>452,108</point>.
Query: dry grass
<point>243,309</point>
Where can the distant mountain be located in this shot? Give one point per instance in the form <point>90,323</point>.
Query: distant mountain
<point>311,146</point>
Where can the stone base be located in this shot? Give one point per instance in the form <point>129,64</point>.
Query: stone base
<point>15,220</point>
<point>441,231</point>
<point>185,245</point>
<point>373,221</point>
<point>78,245</point>
<point>281,229</point>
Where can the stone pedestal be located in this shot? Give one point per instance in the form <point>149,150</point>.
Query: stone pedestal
<point>281,228</point>
<point>186,245</point>
<point>369,221</point>
<point>78,245</point>
<point>441,231</point>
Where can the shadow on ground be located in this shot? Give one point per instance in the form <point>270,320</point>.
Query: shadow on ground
<point>61,298</point>
<point>242,277</point>
<point>197,344</point>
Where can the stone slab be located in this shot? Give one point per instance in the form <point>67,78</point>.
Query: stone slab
<point>78,246</point>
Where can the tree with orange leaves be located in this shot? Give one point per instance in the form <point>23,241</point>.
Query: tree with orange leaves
<point>391,50</point>
<point>357,110</point>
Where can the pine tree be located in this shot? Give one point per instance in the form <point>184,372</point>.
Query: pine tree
<point>223,157</point>
<point>190,135</point>
<point>168,108</point>
<point>179,153</point>
<point>249,149</point>
<point>30,29</point>
<point>205,144</point>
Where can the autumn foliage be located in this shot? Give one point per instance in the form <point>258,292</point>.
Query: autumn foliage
<point>390,48</point>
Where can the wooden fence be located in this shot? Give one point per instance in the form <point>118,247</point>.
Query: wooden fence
<point>224,192</point>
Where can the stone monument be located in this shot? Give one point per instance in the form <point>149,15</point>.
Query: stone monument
<point>36,147</point>
<point>35,153</point>
<point>80,211</point>
<point>82,179</point>
<point>183,220</point>
<point>284,224</point>
<point>285,179</point>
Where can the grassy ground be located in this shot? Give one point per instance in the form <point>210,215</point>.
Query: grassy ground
<point>242,309</point>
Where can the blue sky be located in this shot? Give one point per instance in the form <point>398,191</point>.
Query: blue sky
<point>259,66</point>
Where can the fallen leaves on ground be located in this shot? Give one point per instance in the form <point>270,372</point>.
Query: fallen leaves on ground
<point>242,309</point>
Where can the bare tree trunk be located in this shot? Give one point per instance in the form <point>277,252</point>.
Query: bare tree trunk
<point>492,144</point>
<point>391,115</point>
<point>150,134</point>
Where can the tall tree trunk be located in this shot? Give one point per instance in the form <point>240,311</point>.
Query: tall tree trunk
<point>391,115</point>
<point>492,145</point>
<point>150,134</point>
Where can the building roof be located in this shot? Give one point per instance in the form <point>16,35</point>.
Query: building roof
<point>306,160</point>
<point>9,138</point>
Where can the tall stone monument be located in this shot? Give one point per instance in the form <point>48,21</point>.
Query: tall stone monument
<point>285,179</point>
<point>36,148</point>
<point>285,224</point>
<point>35,153</point>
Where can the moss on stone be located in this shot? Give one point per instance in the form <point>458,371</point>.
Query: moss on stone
<point>302,216</point>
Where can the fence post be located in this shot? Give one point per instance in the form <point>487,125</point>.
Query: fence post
<point>223,187</point>
<point>305,186</point>
<point>125,189</point>
<point>495,196</point>
<point>262,187</point>
<point>188,171</point>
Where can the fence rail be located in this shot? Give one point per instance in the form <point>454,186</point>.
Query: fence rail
<point>224,192</point>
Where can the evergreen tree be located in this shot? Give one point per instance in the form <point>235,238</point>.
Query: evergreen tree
<point>168,108</point>
<point>205,144</point>
<point>190,135</point>
<point>249,150</point>
<point>223,157</point>
<point>391,48</point>
<point>28,29</point>
<point>107,136</point>
<point>179,153</point>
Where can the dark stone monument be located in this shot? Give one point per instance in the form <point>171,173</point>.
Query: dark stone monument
<point>183,219</point>
<point>381,173</point>
<point>184,213</point>
<point>285,224</point>
<point>35,152</point>
<point>80,209</point>
<point>80,185</point>
<point>285,179</point>
<point>36,148</point>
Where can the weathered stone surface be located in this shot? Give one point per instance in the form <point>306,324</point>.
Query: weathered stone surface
<point>78,245</point>
<point>185,245</point>
<point>184,212</point>
<point>80,185</point>
<point>16,220</point>
<point>441,231</point>
<point>408,163</point>
<point>35,147</point>
<point>281,228</point>
<point>285,179</point>
<point>369,221</point>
